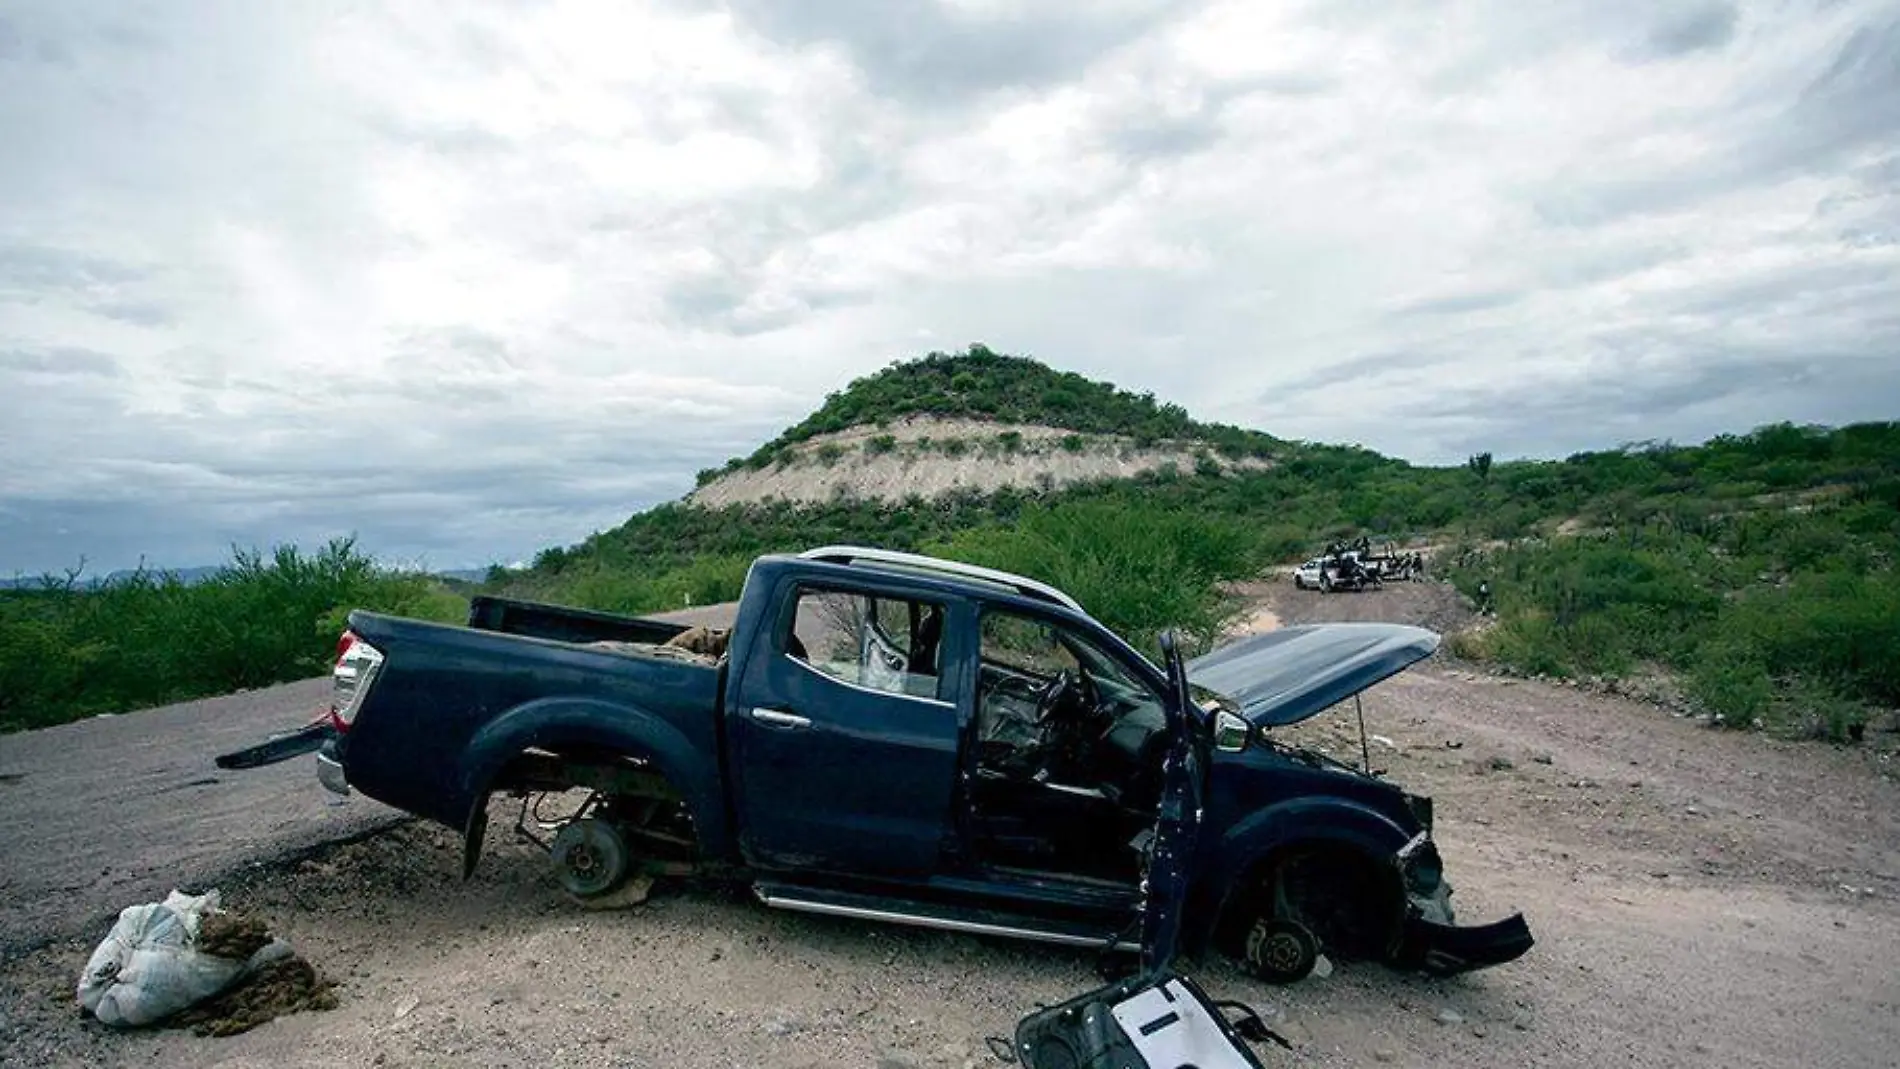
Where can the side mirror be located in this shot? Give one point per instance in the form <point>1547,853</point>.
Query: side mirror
<point>1230,732</point>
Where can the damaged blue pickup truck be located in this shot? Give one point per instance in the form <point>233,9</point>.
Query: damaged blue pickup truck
<point>899,738</point>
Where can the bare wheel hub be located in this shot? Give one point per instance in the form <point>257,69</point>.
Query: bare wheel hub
<point>590,857</point>
<point>1280,951</point>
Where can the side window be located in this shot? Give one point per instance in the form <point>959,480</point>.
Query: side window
<point>1019,653</point>
<point>887,644</point>
<point>1024,644</point>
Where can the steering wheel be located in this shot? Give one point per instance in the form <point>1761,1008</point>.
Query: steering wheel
<point>1052,698</point>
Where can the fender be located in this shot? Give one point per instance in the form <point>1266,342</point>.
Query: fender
<point>1310,820</point>
<point>550,723</point>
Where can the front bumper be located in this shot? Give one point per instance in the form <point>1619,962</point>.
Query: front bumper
<point>1429,940</point>
<point>330,769</point>
<point>1446,949</point>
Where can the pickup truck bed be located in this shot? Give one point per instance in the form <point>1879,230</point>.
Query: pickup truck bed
<point>480,697</point>
<point>562,624</point>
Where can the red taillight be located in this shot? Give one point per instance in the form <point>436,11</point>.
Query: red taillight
<point>356,665</point>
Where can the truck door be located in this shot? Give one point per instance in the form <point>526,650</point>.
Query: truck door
<point>844,734</point>
<point>1177,823</point>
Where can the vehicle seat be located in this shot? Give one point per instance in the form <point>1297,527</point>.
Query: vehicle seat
<point>1129,755</point>
<point>924,643</point>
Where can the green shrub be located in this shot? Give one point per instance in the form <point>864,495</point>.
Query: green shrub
<point>1728,680</point>
<point>830,453</point>
<point>1073,443</point>
<point>1010,441</point>
<point>1531,643</point>
<point>880,444</point>
<point>1137,570</point>
<point>68,651</point>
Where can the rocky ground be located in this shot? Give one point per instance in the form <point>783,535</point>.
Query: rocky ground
<point>1700,898</point>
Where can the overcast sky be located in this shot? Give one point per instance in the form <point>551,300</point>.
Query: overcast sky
<point>472,280</point>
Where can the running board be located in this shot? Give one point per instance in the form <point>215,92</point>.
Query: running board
<point>925,915</point>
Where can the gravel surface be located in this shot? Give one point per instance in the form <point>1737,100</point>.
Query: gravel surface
<point>1700,898</point>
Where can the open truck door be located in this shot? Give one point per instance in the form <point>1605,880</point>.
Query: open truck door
<point>1154,1019</point>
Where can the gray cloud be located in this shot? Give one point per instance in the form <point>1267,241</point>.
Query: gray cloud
<point>925,52</point>
<point>1693,28</point>
<point>64,360</point>
<point>28,270</point>
<point>1457,303</point>
<point>1846,106</point>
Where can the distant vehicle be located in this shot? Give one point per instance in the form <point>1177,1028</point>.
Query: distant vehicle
<point>1307,575</point>
<point>1346,571</point>
<point>899,738</point>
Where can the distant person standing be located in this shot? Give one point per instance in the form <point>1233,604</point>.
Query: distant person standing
<point>1484,597</point>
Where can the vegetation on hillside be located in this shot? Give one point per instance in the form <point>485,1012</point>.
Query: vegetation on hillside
<point>69,650</point>
<point>1759,566</point>
<point>1139,571</point>
<point>984,385</point>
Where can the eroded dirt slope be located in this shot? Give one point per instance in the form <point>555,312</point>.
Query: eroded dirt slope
<point>917,463</point>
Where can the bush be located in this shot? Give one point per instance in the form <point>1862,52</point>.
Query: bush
<point>1531,643</point>
<point>69,651</point>
<point>1809,709</point>
<point>1728,680</point>
<point>877,445</point>
<point>830,453</point>
<point>1073,443</point>
<point>1138,571</point>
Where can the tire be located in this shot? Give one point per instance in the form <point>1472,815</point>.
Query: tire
<point>1279,951</point>
<point>1325,583</point>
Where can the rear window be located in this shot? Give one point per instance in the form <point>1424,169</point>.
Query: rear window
<point>893,645</point>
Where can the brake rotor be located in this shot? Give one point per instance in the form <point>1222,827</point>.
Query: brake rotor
<point>1281,951</point>
<point>590,857</point>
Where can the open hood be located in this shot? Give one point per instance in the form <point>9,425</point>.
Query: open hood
<point>1283,677</point>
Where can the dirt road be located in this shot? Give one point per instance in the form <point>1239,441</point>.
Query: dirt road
<point>1700,898</point>
<point>114,810</point>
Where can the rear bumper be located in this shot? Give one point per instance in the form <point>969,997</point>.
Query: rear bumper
<point>330,769</point>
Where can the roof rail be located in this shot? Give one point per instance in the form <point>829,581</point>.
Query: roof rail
<point>870,554</point>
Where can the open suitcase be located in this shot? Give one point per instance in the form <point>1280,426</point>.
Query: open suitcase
<point>1149,1021</point>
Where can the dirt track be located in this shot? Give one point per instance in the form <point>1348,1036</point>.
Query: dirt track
<point>1700,898</point>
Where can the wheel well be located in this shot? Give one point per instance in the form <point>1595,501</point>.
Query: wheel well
<point>631,787</point>
<point>1359,916</point>
<point>584,767</point>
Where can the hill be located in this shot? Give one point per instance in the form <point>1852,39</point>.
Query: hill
<point>991,387</point>
<point>976,421</point>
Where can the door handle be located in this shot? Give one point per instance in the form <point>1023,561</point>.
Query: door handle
<point>778,718</point>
